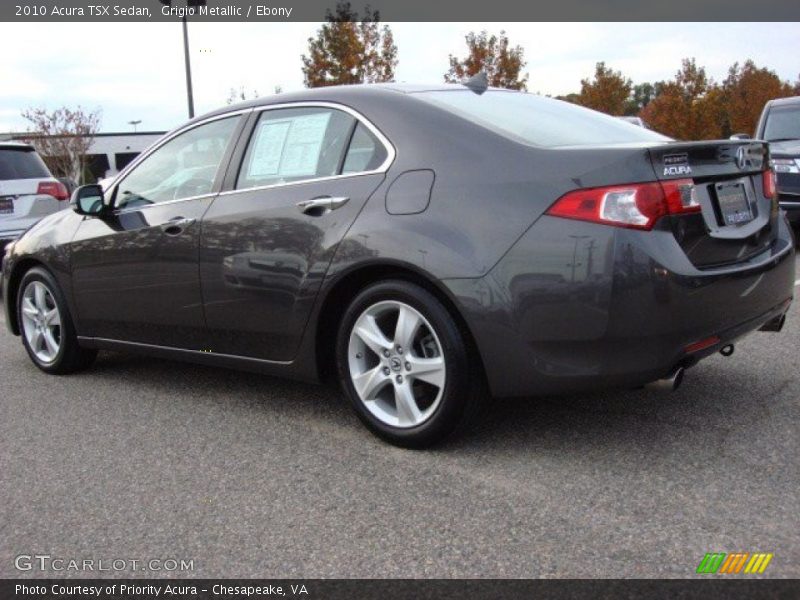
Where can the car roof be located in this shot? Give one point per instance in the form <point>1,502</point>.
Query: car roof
<point>340,93</point>
<point>15,146</point>
<point>785,101</point>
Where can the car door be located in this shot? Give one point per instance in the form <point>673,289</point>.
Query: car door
<point>135,267</point>
<point>304,174</point>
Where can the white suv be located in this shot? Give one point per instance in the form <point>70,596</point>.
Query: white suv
<point>28,191</point>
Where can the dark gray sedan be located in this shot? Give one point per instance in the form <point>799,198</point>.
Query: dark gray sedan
<point>427,247</point>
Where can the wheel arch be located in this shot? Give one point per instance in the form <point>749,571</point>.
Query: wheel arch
<point>14,280</point>
<point>348,285</point>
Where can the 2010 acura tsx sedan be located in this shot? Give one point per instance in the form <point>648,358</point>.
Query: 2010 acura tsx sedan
<point>426,246</point>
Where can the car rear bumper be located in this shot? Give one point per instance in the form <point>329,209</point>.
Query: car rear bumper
<point>576,306</point>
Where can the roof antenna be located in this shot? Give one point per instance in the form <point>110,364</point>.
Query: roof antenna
<point>478,83</point>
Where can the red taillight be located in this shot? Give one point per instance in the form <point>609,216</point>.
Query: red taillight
<point>56,189</point>
<point>769,183</point>
<point>638,205</point>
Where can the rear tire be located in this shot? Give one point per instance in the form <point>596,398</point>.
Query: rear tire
<point>405,366</point>
<point>46,327</point>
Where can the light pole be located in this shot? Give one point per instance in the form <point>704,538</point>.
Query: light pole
<point>134,123</point>
<point>190,4</point>
<point>188,64</point>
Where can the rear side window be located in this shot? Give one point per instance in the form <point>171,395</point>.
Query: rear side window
<point>366,152</point>
<point>538,120</point>
<point>295,144</point>
<point>21,164</point>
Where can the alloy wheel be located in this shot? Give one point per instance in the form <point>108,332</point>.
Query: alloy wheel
<point>396,364</point>
<point>41,321</point>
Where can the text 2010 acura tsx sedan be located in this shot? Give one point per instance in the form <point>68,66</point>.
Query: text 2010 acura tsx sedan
<point>427,246</point>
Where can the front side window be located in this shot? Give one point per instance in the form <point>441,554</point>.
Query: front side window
<point>297,144</point>
<point>184,167</point>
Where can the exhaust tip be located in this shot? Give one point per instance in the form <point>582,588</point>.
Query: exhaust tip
<point>669,383</point>
<point>726,350</point>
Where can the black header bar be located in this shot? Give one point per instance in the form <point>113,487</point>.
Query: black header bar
<point>402,10</point>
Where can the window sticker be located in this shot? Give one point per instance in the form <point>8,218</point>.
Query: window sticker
<point>267,149</point>
<point>304,145</point>
<point>288,147</point>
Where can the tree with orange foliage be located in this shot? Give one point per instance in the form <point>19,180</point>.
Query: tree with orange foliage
<point>608,92</point>
<point>348,50</point>
<point>687,108</point>
<point>494,55</point>
<point>745,91</point>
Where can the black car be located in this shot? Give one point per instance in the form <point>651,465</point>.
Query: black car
<point>780,126</point>
<point>427,247</point>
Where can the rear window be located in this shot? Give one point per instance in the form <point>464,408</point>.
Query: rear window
<point>538,120</point>
<point>783,123</point>
<point>21,164</point>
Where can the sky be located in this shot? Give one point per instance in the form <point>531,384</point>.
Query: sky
<point>134,71</point>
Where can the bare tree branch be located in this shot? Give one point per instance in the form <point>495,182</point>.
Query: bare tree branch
<point>62,138</point>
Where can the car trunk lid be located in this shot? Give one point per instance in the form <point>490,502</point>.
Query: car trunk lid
<point>737,220</point>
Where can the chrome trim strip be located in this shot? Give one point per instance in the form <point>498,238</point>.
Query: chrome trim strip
<point>122,343</point>
<point>391,153</point>
<point>126,209</point>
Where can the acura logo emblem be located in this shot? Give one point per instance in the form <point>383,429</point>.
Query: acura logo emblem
<point>395,363</point>
<point>742,158</point>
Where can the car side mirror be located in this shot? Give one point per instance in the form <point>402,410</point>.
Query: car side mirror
<point>740,136</point>
<point>88,200</point>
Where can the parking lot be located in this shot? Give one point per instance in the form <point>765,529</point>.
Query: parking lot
<point>252,476</point>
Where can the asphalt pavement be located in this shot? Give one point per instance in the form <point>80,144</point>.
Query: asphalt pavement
<point>252,476</point>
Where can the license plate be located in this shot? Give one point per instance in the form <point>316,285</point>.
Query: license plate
<point>733,203</point>
<point>6,206</point>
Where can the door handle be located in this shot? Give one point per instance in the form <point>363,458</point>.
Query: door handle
<point>176,226</point>
<point>316,207</point>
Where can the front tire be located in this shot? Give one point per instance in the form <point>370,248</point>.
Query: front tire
<point>405,365</point>
<point>46,327</point>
